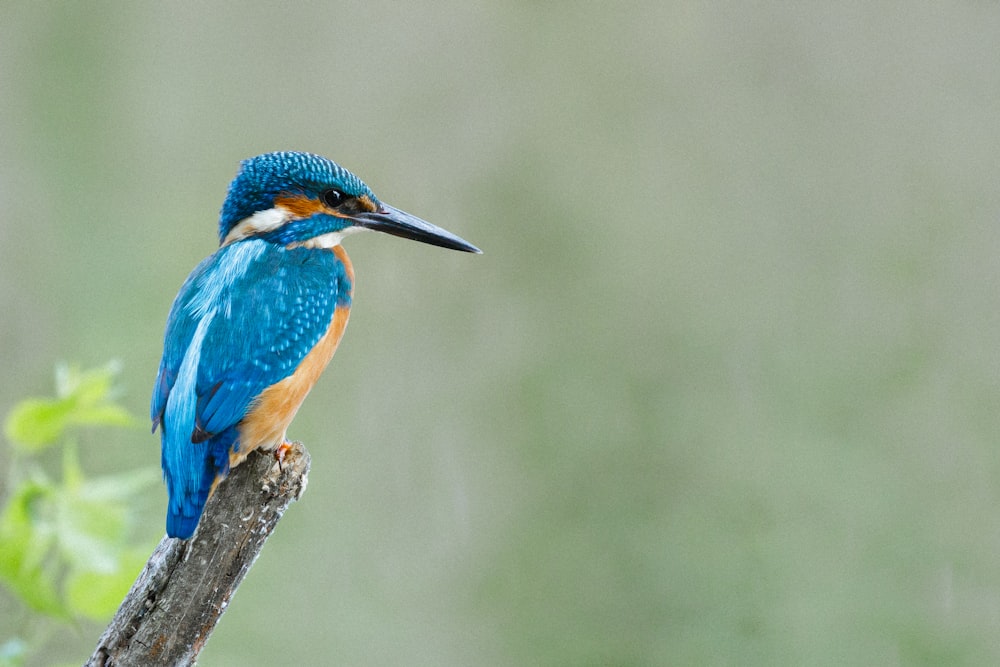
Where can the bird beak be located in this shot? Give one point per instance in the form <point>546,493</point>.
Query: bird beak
<point>400,223</point>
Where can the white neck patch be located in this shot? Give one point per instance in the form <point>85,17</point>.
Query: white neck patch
<point>258,223</point>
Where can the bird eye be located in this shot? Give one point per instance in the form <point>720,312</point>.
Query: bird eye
<point>333,197</point>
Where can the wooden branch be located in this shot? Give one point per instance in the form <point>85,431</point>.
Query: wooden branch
<point>180,595</point>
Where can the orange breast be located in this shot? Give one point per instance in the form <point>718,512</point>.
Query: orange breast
<point>267,421</point>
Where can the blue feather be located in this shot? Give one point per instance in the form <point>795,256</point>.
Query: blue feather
<point>243,321</point>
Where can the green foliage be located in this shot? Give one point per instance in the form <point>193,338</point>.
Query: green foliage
<point>64,543</point>
<point>82,399</point>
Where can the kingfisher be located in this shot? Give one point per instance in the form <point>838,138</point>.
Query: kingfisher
<point>256,323</point>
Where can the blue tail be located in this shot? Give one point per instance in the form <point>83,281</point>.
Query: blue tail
<point>181,524</point>
<point>185,505</point>
<point>186,500</point>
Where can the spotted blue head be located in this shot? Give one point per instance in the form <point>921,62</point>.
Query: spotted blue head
<point>301,199</point>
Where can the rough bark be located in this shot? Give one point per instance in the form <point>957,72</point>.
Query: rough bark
<point>173,606</point>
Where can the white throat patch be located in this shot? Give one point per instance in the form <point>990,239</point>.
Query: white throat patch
<point>327,241</point>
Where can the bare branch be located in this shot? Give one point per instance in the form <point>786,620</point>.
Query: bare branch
<point>180,595</point>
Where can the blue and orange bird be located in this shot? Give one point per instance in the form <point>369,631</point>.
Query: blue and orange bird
<point>255,323</point>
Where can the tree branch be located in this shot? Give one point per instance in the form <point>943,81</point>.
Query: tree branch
<point>180,595</point>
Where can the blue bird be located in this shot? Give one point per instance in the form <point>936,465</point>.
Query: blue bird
<point>255,323</point>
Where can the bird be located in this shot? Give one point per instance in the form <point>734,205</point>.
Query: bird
<point>256,322</point>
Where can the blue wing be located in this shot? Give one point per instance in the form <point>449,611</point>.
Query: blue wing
<point>243,321</point>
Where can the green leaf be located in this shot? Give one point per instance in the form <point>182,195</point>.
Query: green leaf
<point>92,395</point>
<point>90,386</point>
<point>70,537</point>
<point>84,398</point>
<point>25,542</point>
<point>37,423</point>
<point>105,414</point>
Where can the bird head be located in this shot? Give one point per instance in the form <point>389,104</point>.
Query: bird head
<point>300,199</point>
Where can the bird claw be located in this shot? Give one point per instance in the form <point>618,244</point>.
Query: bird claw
<point>280,452</point>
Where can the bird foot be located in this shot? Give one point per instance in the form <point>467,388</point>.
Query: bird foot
<point>280,452</point>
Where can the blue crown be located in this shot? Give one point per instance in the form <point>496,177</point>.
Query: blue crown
<point>266,176</point>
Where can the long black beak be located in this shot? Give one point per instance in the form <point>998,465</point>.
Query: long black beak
<point>400,223</point>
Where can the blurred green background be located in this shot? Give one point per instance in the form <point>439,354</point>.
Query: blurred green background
<point>722,389</point>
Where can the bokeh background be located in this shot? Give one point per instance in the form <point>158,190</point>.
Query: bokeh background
<point>722,389</point>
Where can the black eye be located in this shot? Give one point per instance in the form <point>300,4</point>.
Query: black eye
<point>333,197</point>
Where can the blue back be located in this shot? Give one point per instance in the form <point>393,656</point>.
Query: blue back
<point>243,320</point>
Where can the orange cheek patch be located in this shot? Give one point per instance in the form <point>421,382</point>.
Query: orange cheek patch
<point>302,207</point>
